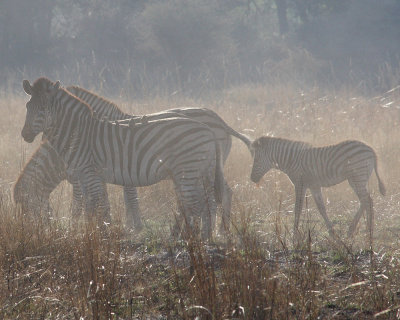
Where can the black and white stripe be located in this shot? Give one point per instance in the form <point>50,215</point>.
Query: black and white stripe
<point>40,176</point>
<point>312,168</point>
<point>104,108</point>
<point>127,153</point>
<point>45,171</point>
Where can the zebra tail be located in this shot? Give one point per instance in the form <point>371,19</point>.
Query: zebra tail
<point>247,141</point>
<point>382,188</point>
<point>219,182</point>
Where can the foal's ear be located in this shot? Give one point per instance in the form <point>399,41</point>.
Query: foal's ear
<point>27,87</point>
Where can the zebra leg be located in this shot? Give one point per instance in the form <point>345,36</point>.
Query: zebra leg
<point>133,218</point>
<point>365,204</point>
<point>209,210</point>
<point>317,195</point>
<point>300,192</point>
<point>356,219</point>
<point>177,227</point>
<point>226,209</point>
<point>184,212</point>
<point>77,198</point>
<point>192,201</point>
<point>95,196</point>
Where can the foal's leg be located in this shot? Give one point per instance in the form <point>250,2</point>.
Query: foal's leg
<point>300,192</point>
<point>317,195</point>
<point>363,195</point>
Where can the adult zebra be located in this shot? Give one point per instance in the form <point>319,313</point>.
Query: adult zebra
<point>312,168</point>
<point>37,174</point>
<point>130,154</point>
<point>45,171</point>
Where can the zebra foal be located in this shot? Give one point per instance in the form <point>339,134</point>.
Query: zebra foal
<point>97,151</point>
<point>313,168</point>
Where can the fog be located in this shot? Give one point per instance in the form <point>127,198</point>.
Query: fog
<point>160,47</point>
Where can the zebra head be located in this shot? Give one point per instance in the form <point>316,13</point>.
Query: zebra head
<point>37,108</point>
<point>261,162</point>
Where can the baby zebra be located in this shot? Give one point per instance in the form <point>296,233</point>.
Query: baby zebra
<point>312,168</point>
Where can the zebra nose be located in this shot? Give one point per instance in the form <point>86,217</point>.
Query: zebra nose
<point>27,135</point>
<point>255,178</point>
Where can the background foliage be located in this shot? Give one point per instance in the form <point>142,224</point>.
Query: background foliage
<point>191,46</point>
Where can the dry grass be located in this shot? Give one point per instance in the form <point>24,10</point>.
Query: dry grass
<point>49,270</point>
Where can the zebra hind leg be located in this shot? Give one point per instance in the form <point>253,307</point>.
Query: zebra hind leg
<point>209,210</point>
<point>226,209</point>
<point>317,195</point>
<point>366,204</point>
<point>356,219</point>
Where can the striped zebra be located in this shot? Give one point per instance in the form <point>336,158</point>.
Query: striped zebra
<point>222,131</point>
<point>105,108</point>
<point>98,151</point>
<point>42,173</point>
<point>45,171</point>
<point>312,168</point>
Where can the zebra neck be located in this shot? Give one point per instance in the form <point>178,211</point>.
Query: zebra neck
<point>285,158</point>
<point>71,130</point>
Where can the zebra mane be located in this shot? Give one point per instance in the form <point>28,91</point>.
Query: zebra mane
<point>67,92</point>
<point>42,83</point>
<point>75,90</point>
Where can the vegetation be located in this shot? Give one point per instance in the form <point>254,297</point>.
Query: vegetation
<point>50,270</point>
<point>191,46</point>
<point>318,71</point>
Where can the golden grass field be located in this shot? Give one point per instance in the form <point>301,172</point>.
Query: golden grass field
<point>50,271</point>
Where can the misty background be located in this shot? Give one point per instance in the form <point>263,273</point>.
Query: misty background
<point>139,48</point>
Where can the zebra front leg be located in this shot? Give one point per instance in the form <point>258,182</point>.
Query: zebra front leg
<point>317,195</point>
<point>300,192</point>
<point>95,197</point>
<point>133,218</point>
<point>77,199</point>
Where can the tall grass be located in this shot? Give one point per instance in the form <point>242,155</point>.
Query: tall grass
<point>49,269</point>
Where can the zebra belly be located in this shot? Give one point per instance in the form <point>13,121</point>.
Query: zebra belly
<point>326,181</point>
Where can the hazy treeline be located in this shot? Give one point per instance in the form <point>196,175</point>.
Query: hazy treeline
<point>194,45</point>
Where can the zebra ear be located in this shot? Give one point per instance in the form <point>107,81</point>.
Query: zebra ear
<point>55,88</point>
<point>27,87</point>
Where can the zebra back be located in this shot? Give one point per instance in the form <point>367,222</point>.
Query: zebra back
<point>213,120</point>
<point>281,153</point>
<point>105,108</point>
